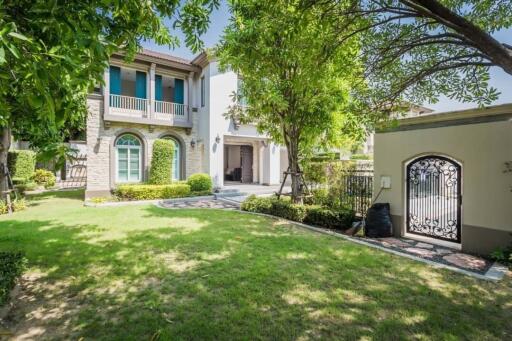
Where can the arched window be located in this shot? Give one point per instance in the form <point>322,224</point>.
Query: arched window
<point>176,159</point>
<point>128,159</point>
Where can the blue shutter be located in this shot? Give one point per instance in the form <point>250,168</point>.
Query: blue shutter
<point>179,91</point>
<point>140,84</point>
<point>115,80</point>
<point>158,88</point>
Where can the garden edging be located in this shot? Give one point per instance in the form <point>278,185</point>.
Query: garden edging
<point>142,202</point>
<point>495,273</point>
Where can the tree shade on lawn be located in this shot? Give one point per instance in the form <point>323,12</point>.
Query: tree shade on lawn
<point>142,272</point>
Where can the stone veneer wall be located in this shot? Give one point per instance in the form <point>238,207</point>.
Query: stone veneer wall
<point>100,147</point>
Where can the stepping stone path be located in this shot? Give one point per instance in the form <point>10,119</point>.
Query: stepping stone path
<point>212,203</point>
<point>434,253</point>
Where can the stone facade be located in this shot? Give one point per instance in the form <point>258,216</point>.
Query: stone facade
<point>101,165</point>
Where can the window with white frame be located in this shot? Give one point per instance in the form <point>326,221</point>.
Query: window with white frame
<point>128,159</point>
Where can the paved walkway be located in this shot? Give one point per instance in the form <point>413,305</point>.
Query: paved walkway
<point>435,253</point>
<point>212,203</point>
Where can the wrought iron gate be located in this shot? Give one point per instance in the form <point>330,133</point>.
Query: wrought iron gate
<point>434,198</point>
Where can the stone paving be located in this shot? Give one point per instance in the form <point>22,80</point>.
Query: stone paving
<point>434,253</point>
<point>212,203</point>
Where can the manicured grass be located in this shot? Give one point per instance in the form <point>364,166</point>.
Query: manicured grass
<point>141,272</point>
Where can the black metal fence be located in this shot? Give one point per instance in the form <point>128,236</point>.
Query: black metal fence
<point>357,190</point>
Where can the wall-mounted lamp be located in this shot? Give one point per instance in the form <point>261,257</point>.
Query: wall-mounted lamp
<point>217,139</point>
<point>264,143</point>
<point>193,143</point>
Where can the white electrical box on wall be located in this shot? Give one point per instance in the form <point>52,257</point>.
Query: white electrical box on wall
<point>385,182</point>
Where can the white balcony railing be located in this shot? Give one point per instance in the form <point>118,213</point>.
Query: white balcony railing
<point>140,108</point>
<point>131,106</point>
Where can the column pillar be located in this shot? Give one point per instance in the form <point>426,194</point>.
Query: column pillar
<point>151,101</point>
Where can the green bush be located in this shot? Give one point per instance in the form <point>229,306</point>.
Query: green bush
<point>161,162</point>
<point>200,182</point>
<point>330,218</point>
<point>21,163</point>
<point>315,172</point>
<point>16,205</point>
<point>273,206</point>
<point>360,157</point>
<point>12,265</point>
<point>28,186</point>
<point>151,192</point>
<point>44,177</point>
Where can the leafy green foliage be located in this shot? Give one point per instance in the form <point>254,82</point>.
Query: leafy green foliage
<point>44,177</point>
<point>276,207</point>
<point>12,265</point>
<point>18,204</point>
<point>417,50</point>
<point>53,53</point>
<point>297,75</point>
<point>311,214</point>
<point>200,182</point>
<point>360,157</point>
<point>151,192</point>
<point>22,164</point>
<point>26,186</point>
<point>161,162</point>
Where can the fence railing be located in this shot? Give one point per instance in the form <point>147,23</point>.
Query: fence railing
<point>357,190</point>
<point>170,108</point>
<point>129,103</point>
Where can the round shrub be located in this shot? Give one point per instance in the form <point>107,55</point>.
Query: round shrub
<point>161,162</point>
<point>21,163</point>
<point>200,182</point>
<point>44,178</point>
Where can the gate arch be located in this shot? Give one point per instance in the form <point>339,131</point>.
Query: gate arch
<point>433,198</point>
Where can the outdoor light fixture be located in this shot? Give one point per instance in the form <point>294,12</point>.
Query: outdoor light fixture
<point>217,139</point>
<point>264,143</point>
<point>192,143</point>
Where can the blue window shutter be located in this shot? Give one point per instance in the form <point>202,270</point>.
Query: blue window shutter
<point>179,91</point>
<point>140,84</point>
<point>158,88</point>
<point>115,80</point>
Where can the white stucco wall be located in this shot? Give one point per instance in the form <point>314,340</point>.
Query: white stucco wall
<point>482,149</point>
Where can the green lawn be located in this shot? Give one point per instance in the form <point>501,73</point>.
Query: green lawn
<point>141,273</point>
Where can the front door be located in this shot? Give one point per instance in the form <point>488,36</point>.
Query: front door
<point>434,198</point>
<point>246,163</point>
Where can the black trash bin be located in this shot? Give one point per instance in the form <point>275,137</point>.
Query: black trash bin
<point>378,221</point>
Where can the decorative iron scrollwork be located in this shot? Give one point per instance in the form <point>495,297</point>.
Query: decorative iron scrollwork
<point>433,198</point>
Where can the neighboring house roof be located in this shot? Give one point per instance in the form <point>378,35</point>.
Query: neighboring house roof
<point>165,56</point>
<point>165,59</point>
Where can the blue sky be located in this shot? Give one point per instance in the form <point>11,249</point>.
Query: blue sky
<point>499,79</point>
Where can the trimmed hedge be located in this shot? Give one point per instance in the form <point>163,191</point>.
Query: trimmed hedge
<point>311,214</point>
<point>330,218</point>
<point>44,177</point>
<point>161,162</point>
<point>200,182</point>
<point>21,163</point>
<point>274,206</point>
<point>12,265</point>
<point>151,192</point>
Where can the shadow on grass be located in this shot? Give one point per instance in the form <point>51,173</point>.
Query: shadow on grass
<point>211,274</point>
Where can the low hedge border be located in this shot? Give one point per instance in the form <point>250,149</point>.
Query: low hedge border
<point>339,219</point>
<point>12,265</point>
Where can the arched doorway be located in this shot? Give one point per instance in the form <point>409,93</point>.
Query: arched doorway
<point>433,201</point>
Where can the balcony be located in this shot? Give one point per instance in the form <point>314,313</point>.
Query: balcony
<point>144,111</point>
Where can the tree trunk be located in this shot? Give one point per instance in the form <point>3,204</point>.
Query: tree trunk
<point>5,143</point>
<point>293,163</point>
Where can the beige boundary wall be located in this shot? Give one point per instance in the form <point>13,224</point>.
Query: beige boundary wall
<point>101,154</point>
<point>481,141</point>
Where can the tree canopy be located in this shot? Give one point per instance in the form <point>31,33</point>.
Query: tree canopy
<point>52,53</point>
<point>296,81</point>
<point>419,49</point>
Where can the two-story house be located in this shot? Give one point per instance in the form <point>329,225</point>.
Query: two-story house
<point>162,96</point>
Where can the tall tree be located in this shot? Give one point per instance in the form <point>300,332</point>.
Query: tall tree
<point>53,52</point>
<point>296,82</point>
<point>419,49</point>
